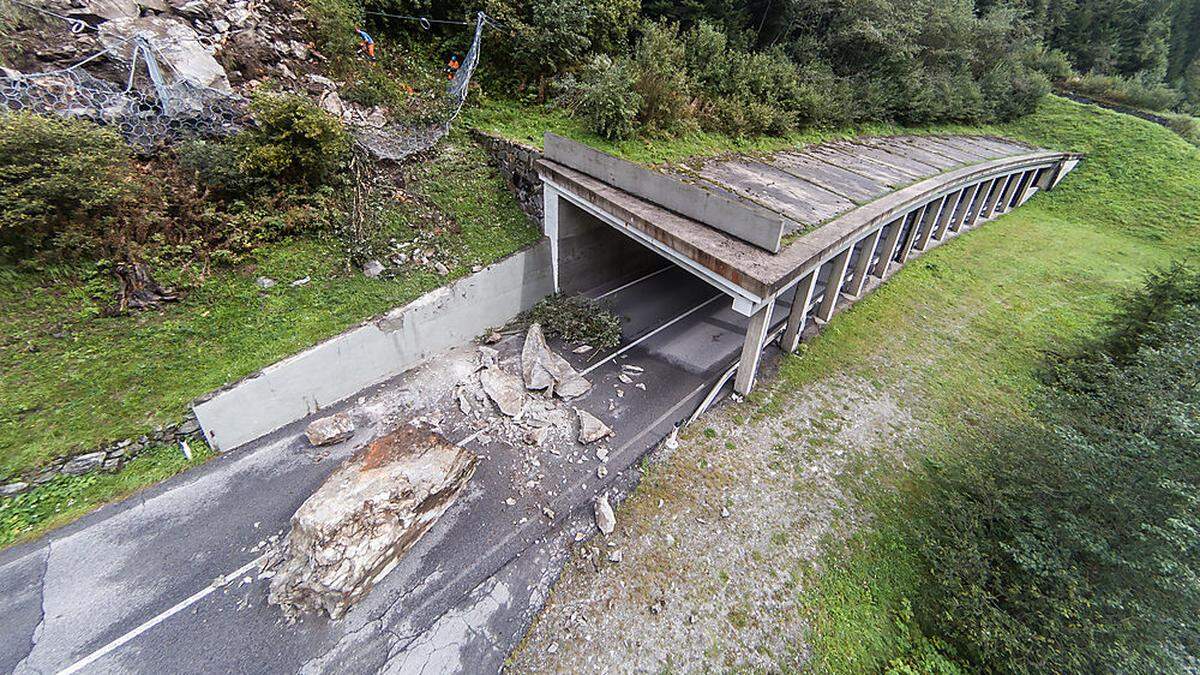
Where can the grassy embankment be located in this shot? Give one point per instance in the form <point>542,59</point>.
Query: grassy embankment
<point>71,380</point>
<point>963,330</point>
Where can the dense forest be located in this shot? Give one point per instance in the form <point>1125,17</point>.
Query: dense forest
<point>767,66</point>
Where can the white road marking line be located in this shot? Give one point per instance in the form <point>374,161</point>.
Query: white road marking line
<point>154,621</point>
<point>632,283</point>
<point>652,333</point>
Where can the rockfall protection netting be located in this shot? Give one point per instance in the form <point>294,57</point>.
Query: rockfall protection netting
<point>150,109</point>
<point>397,142</point>
<point>153,108</point>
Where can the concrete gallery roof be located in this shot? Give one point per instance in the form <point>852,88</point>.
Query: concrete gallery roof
<point>760,222</point>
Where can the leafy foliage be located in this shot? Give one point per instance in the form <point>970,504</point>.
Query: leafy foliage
<point>576,319</point>
<point>62,182</point>
<point>1074,545</point>
<point>604,95</point>
<point>292,140</point>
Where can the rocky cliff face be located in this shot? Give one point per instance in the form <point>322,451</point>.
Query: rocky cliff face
<point>213,43</point>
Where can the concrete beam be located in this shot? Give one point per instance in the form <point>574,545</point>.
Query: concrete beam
<point>742,219</point>
<point>756,337</point>
<point>1063,169</point>
<point>981,197</point>
<point>1030,189</point>
<point>833,289</point>
<point>1011,189</point>
<point>550,199</point>
<point>798,316</point>
<point>964,210</point>
<point>889,248</point>
<point>989,207</point>
<point>863,267</point>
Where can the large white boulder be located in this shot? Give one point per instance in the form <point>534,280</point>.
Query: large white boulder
<point>174,41</point>
<point>356,527</point>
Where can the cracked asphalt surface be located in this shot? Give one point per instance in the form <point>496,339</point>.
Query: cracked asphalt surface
<point>459,601</point>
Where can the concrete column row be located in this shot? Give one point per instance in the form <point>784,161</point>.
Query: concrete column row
<point>890,244</point>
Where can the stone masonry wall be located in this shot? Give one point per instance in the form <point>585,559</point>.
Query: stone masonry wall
<point>518,165</point>
<point>106,458</point>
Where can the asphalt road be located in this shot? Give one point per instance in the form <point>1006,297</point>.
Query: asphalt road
<point>166,581</point>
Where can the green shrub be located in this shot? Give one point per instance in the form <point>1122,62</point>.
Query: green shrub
<point>604,96</point>
<point>1073,544</point>
<point>1053,63</point>
<point>332,25</point>
<point>1186,126</point>
<point>1012,89</point>
<point>60,179</point>
<point>1130,91</point>
<point>217,166</point>
<point>576,320</point>
<point>293,141</point>
<point>661,83</point>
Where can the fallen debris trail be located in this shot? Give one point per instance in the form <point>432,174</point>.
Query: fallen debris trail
<point>122,589</point>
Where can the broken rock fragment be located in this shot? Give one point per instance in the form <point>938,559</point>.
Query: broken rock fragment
<point>330,430</point>
<point>591,429</point>
<point>359,523</point>
<point>606,520</point>
<point>505,390</point>
<point>543,369</point>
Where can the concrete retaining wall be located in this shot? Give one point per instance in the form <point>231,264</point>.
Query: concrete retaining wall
<point>375,351</point>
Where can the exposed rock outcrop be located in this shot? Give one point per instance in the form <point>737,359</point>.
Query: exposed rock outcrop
<point>173,40</point>
<point>356,527</point>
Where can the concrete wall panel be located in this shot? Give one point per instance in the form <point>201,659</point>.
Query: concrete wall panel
<point>375,351</point>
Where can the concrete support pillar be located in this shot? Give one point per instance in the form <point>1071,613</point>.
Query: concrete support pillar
<point>837,277</point>
<point>756,337</point>
<point>798,317</point>
<point>909,238</point>
<point>550,199</point>
<point>1014,182</point>
<point>1024,191</point>
<point>985,189</point>
<point>932,216</point>
<point>964,210</point>
<point>889,248</point>
<point>863,266</point>
<point>989,207</point>
<point>949,210</point>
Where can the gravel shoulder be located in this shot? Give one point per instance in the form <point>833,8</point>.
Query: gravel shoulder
<point>707,566</point>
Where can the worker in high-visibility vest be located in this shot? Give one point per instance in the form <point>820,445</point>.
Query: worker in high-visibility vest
<point>452,66</point>
<point>366,45</point>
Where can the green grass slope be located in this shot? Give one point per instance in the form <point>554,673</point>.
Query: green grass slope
<point>962,330</point>
<point>70,380</point>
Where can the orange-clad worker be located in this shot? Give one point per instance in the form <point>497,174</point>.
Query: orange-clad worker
<point>366,45</point>
<point>452,66</point>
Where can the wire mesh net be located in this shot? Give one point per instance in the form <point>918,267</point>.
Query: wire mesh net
<point>153,108</point>
<point>396,141</point>
<point>150,110</point>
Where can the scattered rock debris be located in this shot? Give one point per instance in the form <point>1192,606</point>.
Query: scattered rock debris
<point>504,389</point>
<point>545,370</point>
<point>330,430</point>
<point>606,520</point>
<point>591,429</point>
